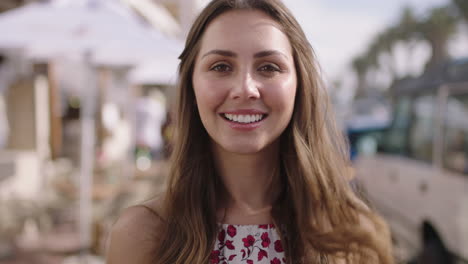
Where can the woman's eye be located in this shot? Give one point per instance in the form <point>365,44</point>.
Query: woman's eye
<point>269,68</point>
<point>220,68</point>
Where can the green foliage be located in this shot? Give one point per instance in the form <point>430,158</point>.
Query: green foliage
<point>441,23</point>
<point>462,6</point>
<point>360,65</point>
<point>436,28</point>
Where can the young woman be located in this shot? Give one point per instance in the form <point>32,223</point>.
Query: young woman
<point>259,171</point>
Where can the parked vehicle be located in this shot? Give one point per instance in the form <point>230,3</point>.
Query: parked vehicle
<point>417,177</point>
<point>368,115</point>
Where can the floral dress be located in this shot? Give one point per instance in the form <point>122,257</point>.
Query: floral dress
<point>249,244</point>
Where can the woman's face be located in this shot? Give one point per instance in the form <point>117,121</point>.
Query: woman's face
<point>244,81</point>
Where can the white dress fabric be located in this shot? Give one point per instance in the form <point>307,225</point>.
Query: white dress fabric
<point>248,244</point>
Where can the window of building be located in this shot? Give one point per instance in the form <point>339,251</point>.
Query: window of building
<point>421,132</point>
<point>395,139</point>
<point>455,153</point>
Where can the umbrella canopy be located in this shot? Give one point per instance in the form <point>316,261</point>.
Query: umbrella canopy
<point>160,48</point>
<point>158,71</point>
<point>106,29</point>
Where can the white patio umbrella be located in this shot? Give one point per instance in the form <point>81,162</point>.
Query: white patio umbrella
<point>46,30</point>
<point>88,28</point>
<point>161,48</point>
<point>158,71</point>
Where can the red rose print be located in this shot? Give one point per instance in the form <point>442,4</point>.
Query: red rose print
<point>221,235</point>
<point>275,261</point>
<point>229,244</point>
<point>248,241</point>
<point>231,230</point>
<point>278,246</point>
<point>214,259</point>
<point>261,254</point>
<point>265,240</point>
<point>256,244</point>
<point>271,225</point>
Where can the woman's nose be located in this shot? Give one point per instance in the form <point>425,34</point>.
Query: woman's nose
<point>245,87</point>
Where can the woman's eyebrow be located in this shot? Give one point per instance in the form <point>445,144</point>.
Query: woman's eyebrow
<point>225,53</point>
<point>260,54</point>
<point>267,53</point>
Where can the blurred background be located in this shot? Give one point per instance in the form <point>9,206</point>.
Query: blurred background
<point>86,87</point>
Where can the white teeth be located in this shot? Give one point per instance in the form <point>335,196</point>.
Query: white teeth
<point>244,118</point>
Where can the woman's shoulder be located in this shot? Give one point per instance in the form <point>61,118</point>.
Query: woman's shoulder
<point>134,236</point>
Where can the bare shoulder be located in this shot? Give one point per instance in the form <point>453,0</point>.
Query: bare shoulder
<point>156,205</point>
<point>134,236</point>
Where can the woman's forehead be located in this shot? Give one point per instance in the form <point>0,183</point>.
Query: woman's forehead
<point>241,29</point>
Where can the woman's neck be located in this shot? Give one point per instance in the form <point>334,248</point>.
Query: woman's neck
<point>251,181</point>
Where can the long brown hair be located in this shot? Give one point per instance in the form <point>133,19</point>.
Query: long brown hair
<point>317,214</point>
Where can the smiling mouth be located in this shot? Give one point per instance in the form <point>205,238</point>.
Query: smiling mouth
<point>244,119</point>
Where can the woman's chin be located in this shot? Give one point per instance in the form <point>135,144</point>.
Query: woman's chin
<point>244,148</point>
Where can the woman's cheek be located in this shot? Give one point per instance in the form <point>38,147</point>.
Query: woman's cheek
<point>210,94</point>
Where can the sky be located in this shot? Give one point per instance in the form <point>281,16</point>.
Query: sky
<point>341,29</point>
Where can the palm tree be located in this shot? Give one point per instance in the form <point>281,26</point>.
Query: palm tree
<point>360,66</point>
<point>407,24</point>
<point>10,4</point>
<point>380,54</point>
<point>383,50</point>
<point>462,6</point>
<point>437,29</point>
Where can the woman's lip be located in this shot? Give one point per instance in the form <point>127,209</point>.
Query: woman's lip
<point>243,126</point>
<point>245,112</point>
